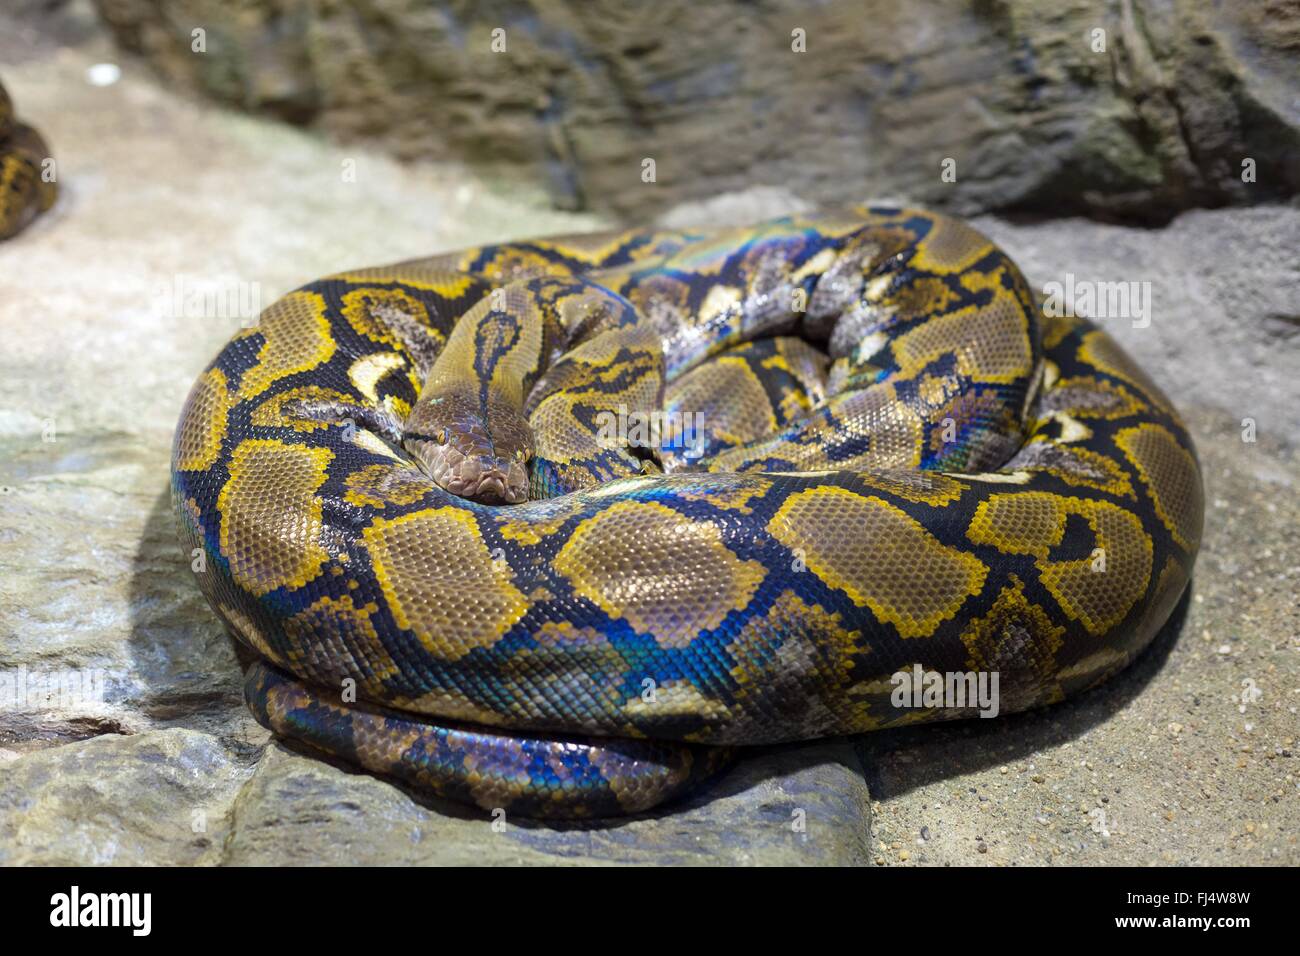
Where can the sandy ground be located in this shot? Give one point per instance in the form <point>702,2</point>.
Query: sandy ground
<point>1177,760</point>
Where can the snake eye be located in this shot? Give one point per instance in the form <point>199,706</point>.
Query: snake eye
<point>442,437</point>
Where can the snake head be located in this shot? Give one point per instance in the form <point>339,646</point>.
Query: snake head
<point>472,448</point>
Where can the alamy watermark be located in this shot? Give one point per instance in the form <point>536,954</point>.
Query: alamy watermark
<point>75,908</point>
<point>1087,298</point>
<point>657,430</point>
<point>188,298</point>
<point>22,689</point>
<point>931,690</point>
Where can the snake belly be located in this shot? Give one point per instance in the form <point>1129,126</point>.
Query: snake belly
<point>873,453</point>
<point>25,192</point>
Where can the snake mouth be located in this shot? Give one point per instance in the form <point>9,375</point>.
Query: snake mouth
<point>474,448</point>
<point>484,478</point>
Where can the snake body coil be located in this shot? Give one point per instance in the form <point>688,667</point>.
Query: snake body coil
<point>24,191</point>
<point>866,451</point>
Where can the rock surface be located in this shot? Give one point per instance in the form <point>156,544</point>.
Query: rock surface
<point>146,754</point>
<point>1154,114</point>
<point>142,751</point>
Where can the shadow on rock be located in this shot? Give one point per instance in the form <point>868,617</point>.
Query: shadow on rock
<point>897,761</point>
<point>186,671</point>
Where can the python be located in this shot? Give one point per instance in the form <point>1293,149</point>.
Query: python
<point>498,584</point>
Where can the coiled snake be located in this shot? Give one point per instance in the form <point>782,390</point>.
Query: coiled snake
<point>767,469</point>
<point>25,192</point>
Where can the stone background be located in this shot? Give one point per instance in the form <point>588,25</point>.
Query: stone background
<point>162,185</point>
<point>586,89</point>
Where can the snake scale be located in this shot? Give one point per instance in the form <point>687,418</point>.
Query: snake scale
<point>25,192</point>
<point>866,450</point>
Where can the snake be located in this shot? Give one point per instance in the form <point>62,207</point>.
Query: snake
<point>561,527</point>
<point>26,190</point>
